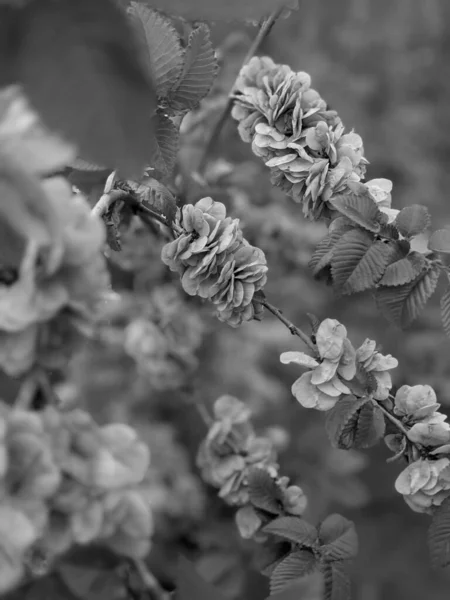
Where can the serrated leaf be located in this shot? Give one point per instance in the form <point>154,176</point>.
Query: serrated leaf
<point>403,304</point>
<point>294,529</point>
<point>161,45</point>
<point>190,586</point>
<point>78,63</point>
<point>342,423</point>
<point>264,492</point>
<point>296,565</point>
<point>233,10</point>
<point>370,269</point>
<point>337,581</point>
<point>445,311</point>
<point>339,538</point>
<point>198,74</point>
<point>267,556</point>
<point>440,241</point>
<point>155,195</point>
<point>348,254</point>
<point>359,207</point>
<point>404,270</point>
<point>439,536</point>
<point>370,427</point>
<point>412,220</point>
<point>165,146</point>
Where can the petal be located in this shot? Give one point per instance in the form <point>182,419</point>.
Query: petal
<point>299,358</point>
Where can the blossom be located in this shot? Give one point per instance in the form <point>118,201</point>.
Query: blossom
<point>380,190</point>
<point>415,402</point>
<point>425,484</point>
<point>378,365</point>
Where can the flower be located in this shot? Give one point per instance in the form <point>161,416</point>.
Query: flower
<point>424,484</point>
<point>378,365</point>
<point>415,402</point>
<point>380,190</point>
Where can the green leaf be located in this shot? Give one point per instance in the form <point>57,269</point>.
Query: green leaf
<point>78,64</point>
<point>439,536</point>
<point>264,492</point>
<point>165,146</point>
<point>412,220</point>
<point>155,195</point>
<point>190,586</point>
<point>339,538</point>
<point>402,304</point>
<point>296,565</point>
<point>354,265</point>
<point>404,270</point>
<point>294,529</point>
<point>440,241</point>
<point>337,581</point>
<point>233,10</point>
<point>346,425</point>
<point>371,426</point>
<point>199,71</point>
<point>445,311</point>
<point>359,207</point>
<point>161,44</point>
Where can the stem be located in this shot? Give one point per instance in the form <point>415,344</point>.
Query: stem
<point>392,419</point>
<point>263,32</point>
<point>292,328</point>
<point>107,200</point>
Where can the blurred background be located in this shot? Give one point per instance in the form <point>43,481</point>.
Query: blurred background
<point>384,66</point>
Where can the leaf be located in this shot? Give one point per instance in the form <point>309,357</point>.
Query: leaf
<point>348,255</point>
<point>190,586</point>
<point>370,427</point>
<point>264,492</point>
<point>267,556</point>
<point>445,311</point>
<point>199,71</point>
<point>155,195</point>
<point>440,241</point>
<point>404,270</point>
<point>294,529</point>
<point>403,304</point>
<point>88,583</point>
<point>412,220</point>
<point>78,64</point>
<point>347,425</point>
<point>439,536</point>
<point>339,538</point>
<point>84,165</point>
<point>296,565</point>
<point>161,44</point>
<point>370,269</point>
<point>359,207</point>
<point>165,146</point>
<point>337,582</point>
<point>233,10</point>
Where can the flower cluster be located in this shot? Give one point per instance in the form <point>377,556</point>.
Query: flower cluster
<point>215,261</point>
<point>299,139</point>
<point>163,339</point>
<point>337,363</point>
<point>425,483</point>
<point>67,481</point>
<point>53,276</point>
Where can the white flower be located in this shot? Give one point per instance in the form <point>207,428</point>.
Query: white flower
<point>380,190</point>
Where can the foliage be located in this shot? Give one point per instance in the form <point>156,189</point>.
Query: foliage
<point>102,195</point>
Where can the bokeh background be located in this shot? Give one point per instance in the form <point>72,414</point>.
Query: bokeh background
<point>384,66</point>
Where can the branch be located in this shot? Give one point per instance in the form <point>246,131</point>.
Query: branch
<point>107,200</point>
<point>263,32</point>
<point>392,419</point>
<point>292,328</point>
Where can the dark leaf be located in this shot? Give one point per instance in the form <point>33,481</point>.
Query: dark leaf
<point>296,565</point>
<point>338,537</point>
<point>294,529</point>
<point>161,46</point>
<point>155,195</point>
<point>264,492</point>
<point>165,146</point>
<point>370,426</point>
<point>412,220</point>
<point>348,253</point>
<point>269,555</point>
<point>79,66</point>
<point>342,423</point>
<point>439,536</point>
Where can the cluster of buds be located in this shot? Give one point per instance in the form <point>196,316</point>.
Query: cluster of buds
<point>230,452</point>
<point>164,338</point>
<point>67,481</point>
<point>53,277</point>
<point>336,365</point>
<point>425,483</point>
<point>215,261</point>
<point>298,138</point>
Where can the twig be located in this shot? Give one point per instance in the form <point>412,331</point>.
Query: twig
<point>292,328</point>
<point>392,419</point>
<point>107,200</point>
<point>150,581</point>
<point>263,32</point>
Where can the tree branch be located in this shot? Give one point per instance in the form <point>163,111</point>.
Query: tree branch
<point>213,138</point>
